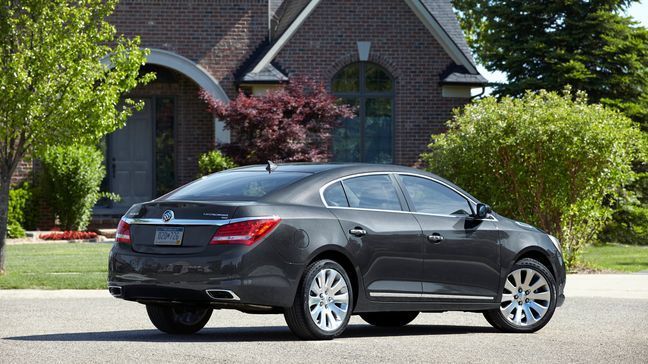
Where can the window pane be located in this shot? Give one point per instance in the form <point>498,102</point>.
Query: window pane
<point>434,198</point>
<point>378,131</point>
<point>346,137</point>
<point>377,79</point>
<point>372,192</point>
<point>235,186</point>
<point>334,195</point>
<point>348,79</point>
<point>164,145</point>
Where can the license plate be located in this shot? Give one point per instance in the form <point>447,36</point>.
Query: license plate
<point>168,236</point>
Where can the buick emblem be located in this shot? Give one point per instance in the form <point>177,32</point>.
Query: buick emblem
<point>167,215</point>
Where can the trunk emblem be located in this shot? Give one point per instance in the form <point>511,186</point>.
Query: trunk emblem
<point>167,215</point>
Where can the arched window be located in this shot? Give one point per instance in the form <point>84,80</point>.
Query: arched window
<point>369,137</point>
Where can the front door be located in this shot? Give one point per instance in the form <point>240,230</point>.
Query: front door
<point>130,160</point>
<point>461,253</point>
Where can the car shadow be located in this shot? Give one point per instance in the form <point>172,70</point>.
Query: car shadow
<point>249,334</point>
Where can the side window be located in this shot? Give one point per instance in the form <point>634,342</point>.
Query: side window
<point>434,198</point>
<point>372,192</point>
<point>334,195</point>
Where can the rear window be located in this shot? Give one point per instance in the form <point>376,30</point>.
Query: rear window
<point>235,186</point>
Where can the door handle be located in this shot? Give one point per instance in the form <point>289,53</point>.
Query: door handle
<point>357,231</point>
<point>435,238</point>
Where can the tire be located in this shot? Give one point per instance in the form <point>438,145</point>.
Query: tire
<point>389,319</point>
<point>178,320</point>
<point>527,304</point>
<point>323,303</point>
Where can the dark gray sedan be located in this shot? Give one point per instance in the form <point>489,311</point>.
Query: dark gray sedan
<point>320,242</point>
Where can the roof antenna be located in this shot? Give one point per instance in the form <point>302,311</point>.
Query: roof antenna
<point>271,167</point>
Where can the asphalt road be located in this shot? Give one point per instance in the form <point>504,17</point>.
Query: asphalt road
<point>93,327</point>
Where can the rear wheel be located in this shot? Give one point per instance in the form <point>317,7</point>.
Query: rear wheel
<point>528,300</point>
<point>323,303</point>
<point>181,320</point>
<point>389,319</point>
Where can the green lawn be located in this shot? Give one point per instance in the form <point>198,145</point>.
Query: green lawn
<point>625,258</point>
<point>56,266</point>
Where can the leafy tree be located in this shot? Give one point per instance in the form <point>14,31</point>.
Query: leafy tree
<point>54,86</point>
<point>589,45</point>
<point>292,124</point>
<point>545,158</point>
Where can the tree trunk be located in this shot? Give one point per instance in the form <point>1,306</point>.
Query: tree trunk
<point>5,181</point>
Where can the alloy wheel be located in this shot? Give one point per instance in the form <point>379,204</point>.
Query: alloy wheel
<point>526,298</point>
<point>328,300</point>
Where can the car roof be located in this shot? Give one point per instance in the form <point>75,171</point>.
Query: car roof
<point>322,173</point>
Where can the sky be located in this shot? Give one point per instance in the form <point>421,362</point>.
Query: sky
<point>639,11</point>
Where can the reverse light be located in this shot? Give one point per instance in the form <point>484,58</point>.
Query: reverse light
<point>245,232</point>
<point>123,232</point>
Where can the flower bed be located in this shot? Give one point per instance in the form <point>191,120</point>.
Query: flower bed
<point>69,235</point>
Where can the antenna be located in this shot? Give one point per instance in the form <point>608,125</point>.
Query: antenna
<point>271,167</point>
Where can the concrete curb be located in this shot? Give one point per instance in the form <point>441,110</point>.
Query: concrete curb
<point>626,286</point>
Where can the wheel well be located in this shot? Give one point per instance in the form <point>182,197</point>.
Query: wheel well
<point>342,260</point>
<point>540,257</point>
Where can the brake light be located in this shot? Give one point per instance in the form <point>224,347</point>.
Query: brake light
<point>123,232</point>
<point>244,232</point>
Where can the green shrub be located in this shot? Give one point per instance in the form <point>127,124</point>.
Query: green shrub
<point>547,159</point>
<point>214,161</point>
<point>71,179</point>
<point>20,200</point>
<point>629,223</point>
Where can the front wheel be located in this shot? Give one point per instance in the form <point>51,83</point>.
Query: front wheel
<point>323,303</point>
<point>389,319</point>
<point>528,300</point>
<point>179,320</point>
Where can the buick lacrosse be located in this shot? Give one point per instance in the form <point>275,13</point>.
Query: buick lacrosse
<point>321,242</point>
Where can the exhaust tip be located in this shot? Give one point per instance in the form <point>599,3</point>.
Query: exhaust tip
<point>116,291</point>
<point>222,295</point>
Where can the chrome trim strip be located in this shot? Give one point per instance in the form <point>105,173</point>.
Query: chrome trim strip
<point>234,296</point>
<point>151,221</point>
<point>427,295</point>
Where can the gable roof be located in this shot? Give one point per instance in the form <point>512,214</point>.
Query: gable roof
<point>437,15</point>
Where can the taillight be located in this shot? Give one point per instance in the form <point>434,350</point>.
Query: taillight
<point>123,232</point>
<point>244,232</point>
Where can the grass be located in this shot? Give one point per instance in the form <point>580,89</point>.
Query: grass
<point>56,266</point>
<point>617,257</point>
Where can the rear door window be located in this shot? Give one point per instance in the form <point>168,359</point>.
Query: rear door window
<point>235,186</point>
<point>334,196</point>
<point>372,192</point>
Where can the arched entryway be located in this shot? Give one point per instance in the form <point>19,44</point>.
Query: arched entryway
<point>158,148</point>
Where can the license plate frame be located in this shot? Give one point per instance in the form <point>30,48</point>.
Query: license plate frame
<point>168,236</point>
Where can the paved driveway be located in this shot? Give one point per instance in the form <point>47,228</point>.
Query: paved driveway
<point>604,320</point>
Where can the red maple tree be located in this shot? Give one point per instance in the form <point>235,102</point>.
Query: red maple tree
<point>291,124</point>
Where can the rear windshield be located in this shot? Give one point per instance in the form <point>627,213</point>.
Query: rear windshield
<point>235,186</point>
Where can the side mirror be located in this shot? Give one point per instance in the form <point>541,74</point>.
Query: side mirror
<point>482,211</point>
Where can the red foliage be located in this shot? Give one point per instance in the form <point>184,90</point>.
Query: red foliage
<point>291,124</point>
<point>69,235</point>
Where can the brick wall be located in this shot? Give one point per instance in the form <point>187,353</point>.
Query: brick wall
<point>23,171</point>
<point>219,35</point>
<point>326,42</point>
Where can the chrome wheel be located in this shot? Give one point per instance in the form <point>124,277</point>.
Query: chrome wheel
<point>526,298</point>
<point>328,300</point>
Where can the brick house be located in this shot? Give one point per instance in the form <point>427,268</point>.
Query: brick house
<point>404,63</point>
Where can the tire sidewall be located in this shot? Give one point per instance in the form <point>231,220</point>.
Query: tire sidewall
<point>304,292</point>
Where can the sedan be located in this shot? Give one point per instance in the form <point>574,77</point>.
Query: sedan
<point>321,242</point>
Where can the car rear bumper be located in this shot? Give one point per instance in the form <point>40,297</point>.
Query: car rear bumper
<point>234,274</point>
